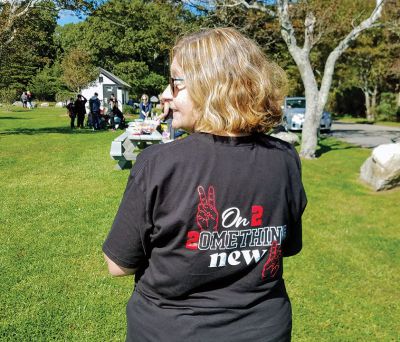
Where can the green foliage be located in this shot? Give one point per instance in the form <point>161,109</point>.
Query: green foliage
<point>54,283</point>
<point>137,75</point>
<point>131,39</point>
<point>128,109</point>
<point>31,49</point>
<point>46,83</point>
<point>387,107</point>
<point>78,70</point>
<point>8,95</point>
<point>64,95</point>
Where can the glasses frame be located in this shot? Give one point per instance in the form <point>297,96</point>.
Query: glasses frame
<point>175,88</point>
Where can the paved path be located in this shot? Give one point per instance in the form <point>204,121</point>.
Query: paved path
<point>365,135</point>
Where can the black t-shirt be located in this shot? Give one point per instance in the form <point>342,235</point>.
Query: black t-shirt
<point>207,220</point>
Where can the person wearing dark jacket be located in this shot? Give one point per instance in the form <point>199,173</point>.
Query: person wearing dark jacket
<point>80,109</point>
<point>94,105</point>
<point>71,112</point>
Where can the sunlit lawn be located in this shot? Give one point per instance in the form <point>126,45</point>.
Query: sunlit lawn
<point>60,192</point>
<point>347,119</point>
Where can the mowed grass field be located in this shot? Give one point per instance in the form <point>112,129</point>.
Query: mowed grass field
<point>59,194</point>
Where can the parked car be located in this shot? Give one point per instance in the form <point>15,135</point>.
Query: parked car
<point>293,115</point>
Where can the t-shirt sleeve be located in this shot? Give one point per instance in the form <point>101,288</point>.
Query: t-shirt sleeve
<point>126,243</point>
<point>297,203</point>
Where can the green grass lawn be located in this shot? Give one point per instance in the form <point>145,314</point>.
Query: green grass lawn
<point>60,193</point>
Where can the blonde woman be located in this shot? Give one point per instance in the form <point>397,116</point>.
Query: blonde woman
<point>205,221</point>
<point>145,107</point>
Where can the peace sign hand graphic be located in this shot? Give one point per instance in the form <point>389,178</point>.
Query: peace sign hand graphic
<point>207,213</point>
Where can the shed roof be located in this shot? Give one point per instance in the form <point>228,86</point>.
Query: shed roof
<point>114,78</point>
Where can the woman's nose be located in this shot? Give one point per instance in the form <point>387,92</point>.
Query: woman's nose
<point>166,95</point>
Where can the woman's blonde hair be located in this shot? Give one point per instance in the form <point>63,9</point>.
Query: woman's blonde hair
<point>233,86</point>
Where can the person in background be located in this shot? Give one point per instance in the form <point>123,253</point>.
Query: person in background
<point>166,116</point>
<point>29,99</point>
<point>113,100</point>
<point>71,112</point>
<point>94,105</point>
<point>205,221</point>
<point>111,104</point>
<point>145,107</point>
<point>80,109</point>
<point>24,99</point>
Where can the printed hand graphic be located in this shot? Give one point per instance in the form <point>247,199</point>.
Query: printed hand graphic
<point>207,214</point>
<point>272,263</point>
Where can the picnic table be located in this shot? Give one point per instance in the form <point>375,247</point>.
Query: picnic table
<point>127,146</point>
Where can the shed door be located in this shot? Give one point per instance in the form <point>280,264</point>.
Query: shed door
<point>109,89</point>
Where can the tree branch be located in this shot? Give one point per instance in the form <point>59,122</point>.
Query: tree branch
<point>309,24</point>
<point>287,29</point>
<point>342,46</point>
<point>253,5</point>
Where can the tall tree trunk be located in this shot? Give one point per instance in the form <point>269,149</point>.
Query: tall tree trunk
<point>309,139</point>
<point>398,103</point>
<point>373,103</point>
<point>367,104</point>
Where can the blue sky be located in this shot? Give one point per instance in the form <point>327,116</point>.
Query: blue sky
<point>67,17</point>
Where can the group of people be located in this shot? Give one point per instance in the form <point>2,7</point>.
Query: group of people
<point>26,99</point>
<point>145,111</point>
<point>97,118</point>
<point>77,109</point>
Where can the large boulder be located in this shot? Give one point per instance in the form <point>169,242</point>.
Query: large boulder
<point>60,104</point>
<point>382,169</point>
<point>289,137</point>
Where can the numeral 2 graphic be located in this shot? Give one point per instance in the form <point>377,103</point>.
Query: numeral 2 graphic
<point>192,239</point>
<point>256,215</point>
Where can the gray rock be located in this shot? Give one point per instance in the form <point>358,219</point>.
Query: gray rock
<point>382,169</point>
<point>289,137</point>
<point>17,104</point>
<point>44,104</point>
<point>60,104</point>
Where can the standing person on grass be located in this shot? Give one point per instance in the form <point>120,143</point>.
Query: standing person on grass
<point>71,112</point>
<point>80,109</point>
<point>94,105</point>
<point>205,221</point>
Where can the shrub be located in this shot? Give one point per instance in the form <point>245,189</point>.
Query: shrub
<point>64,96</point>
<point>387,107</point>
<point>7,95</point>
<point>128,109</point>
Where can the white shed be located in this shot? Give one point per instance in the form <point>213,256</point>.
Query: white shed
<point>105,85</point>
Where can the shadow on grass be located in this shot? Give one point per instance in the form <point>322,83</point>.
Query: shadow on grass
<point>13,118</point>
<point>326,145</point>
<point>45,130</point>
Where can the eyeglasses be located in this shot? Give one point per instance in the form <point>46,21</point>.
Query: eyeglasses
<point>176,84</point>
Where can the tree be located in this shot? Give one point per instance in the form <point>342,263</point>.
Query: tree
<point>131,38</point>
<point>47,83</point>
<point>370,62</point>
<point>365,68</point>
<point>78,70</point>
<point>317,16</point>
<point>12,11</point>
<point>31,49</point>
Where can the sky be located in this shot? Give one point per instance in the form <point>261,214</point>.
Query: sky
<point>67,17</point>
